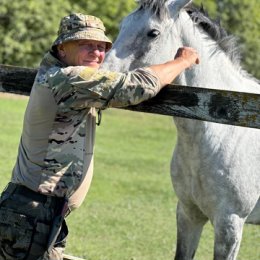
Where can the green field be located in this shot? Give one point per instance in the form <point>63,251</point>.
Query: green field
<point>129,213</point>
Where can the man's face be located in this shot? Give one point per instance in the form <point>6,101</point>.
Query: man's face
<point>83,53</point>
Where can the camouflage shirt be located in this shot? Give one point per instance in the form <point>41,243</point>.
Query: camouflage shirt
<point>56,149</point>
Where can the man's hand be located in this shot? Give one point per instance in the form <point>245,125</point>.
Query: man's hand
<point>189,55</point>
<point>184,59</point>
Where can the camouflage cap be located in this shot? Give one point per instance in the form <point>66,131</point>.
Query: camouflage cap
<point>78,26</point>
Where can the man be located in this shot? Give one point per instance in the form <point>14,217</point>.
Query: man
<point>54,166</point>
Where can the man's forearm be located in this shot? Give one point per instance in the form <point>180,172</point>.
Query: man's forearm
<point>168,71</point>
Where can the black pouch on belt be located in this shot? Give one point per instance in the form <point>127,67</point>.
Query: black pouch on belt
<point>57,223</point>
<point>24,229</point>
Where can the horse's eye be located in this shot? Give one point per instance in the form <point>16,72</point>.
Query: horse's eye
<point>153,33</point>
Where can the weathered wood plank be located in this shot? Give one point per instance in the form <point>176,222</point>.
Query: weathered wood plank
<point>219,106</point>
<point>16,80</point>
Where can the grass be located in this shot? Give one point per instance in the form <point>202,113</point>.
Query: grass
<point>129,212</point>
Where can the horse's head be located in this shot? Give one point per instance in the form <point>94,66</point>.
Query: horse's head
<point>147,31</point>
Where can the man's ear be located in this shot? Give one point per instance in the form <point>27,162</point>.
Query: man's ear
<point>61,50</point>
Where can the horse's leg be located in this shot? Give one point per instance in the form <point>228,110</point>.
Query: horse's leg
<point>228,235</point>
<point>190,222</point>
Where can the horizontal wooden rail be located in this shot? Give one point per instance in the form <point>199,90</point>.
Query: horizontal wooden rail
<point>17,80</point>
<point>219,106</point>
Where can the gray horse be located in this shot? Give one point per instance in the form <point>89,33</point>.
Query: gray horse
<point>215,168</point>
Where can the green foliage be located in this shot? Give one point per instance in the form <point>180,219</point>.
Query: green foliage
<point>111,12</point>
<point>242,19</point>
<point>27,28</point>
<point>129,212</point>
<point>209,5</point>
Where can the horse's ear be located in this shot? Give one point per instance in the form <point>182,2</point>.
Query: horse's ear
<point>177,5</point>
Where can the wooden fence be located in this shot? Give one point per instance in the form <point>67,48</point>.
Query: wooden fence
<point>219,106</point>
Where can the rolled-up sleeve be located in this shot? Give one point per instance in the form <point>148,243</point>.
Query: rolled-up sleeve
<point>80,87</point>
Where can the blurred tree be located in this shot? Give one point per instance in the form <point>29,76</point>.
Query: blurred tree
<point>242,19</point>
<point>27,28</point>
<point>209,5</point>
<point>110,11</point>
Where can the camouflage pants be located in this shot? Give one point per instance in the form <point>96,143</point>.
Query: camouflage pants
<point>25,225</point>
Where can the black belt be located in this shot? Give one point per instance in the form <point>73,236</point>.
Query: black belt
<point>22,190</point>
<point>13,188</point>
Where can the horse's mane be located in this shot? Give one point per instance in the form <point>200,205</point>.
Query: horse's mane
<point>226,42</point>
<point>157,7</point>
<point>199,16</point>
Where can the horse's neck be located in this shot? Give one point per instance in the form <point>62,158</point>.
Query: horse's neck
<point>215,71</point>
